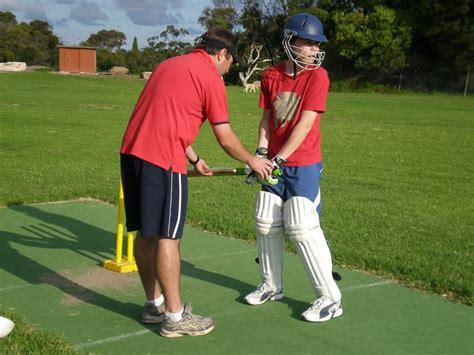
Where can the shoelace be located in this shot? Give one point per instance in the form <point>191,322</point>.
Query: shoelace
<point>191,316</point>
<point>262,288</point>
<point>317,303</point>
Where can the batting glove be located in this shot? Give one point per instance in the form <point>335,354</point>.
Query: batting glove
<point>277,171</point>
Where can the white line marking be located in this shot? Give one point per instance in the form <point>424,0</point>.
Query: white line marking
<point>113,339</point>
<point>15,287</point>
<point>145,331</point>
<point>380,283</point>
<point>142,332</point>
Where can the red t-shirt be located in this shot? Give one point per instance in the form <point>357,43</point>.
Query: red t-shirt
<point>288,98</point>
<point>180,94</point>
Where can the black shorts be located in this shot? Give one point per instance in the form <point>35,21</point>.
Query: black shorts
<point>155,199</point>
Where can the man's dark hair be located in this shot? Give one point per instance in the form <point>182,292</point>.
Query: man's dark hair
<point>217,38</point>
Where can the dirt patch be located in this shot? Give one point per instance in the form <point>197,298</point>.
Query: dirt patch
<point>83,287</point>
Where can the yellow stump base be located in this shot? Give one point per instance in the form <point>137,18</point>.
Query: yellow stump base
<point>126,266</point>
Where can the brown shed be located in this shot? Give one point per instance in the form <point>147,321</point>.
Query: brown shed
<point>77,59</point>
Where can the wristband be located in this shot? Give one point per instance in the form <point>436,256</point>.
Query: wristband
<point>194,163</point>
<point>279,160</point>
<point>262,151</point>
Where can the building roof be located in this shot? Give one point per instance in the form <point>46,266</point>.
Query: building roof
<point>76,47</point>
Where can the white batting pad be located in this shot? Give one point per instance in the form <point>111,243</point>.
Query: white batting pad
<point>270,231</point>
<point>302,225</point>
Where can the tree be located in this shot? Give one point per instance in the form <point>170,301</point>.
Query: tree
<point>135,45</point>
<point>33,43</point>
<point>253,63</point>
<point>7,21</point>
<point>375,42</point>
<point>263,23</point>
<point>109,39</point>
<point>223,17</point>
<point>440,27</point>
<point>170,42</point>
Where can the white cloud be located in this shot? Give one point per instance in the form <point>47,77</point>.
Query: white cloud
<point>66,2</point>
<point>151,12</point>
<point>63,22</point>
<point>88,13</point>
<point>11,5</point>
<point>35,11</point>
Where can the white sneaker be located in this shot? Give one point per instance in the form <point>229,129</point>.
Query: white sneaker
<point>262,294</point>
<point>322,309</point>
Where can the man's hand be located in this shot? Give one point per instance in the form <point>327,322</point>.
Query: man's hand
<point>202,168</point>
<point>252,178</point>
<point>262,167</point>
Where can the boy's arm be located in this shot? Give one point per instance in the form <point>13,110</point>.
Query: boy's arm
<point>298,134</point>
<point>264,130</point>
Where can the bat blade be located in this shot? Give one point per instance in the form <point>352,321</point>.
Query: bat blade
<point>219,172</point>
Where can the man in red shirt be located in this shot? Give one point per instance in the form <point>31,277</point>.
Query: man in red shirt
<point>293,98</point>
<point>180,95</point>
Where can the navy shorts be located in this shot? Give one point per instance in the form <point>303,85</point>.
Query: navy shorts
<point>299,181</point>
<point>155,199</point>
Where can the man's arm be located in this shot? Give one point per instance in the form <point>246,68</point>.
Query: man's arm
<point>232,145</point>
<point>298,134</point>
<point>190,154</point>
<point>198,163</point>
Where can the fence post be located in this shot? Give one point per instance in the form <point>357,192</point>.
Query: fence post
<point>467,83</point>
<point>400,80</point>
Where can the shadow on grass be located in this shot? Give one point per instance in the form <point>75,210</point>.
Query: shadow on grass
<point>188,269</point>
<point>93,243</point>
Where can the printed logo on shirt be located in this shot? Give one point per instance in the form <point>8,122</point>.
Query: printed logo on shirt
<point>285,106</point>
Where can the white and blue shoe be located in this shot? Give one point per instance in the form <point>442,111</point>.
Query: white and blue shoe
<point>323,309</point>
<point>263,293</point>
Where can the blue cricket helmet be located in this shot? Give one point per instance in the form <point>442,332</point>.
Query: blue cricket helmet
<point>308,27</point>
<point>305,26</point>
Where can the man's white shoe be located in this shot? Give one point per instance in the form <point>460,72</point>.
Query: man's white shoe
<point>262,294</point>
<point>323,309</point>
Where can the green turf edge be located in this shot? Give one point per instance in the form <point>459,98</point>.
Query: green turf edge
<point>26,339</point>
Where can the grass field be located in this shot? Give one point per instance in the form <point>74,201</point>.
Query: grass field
<point>397,188</point>
<point>26,339</point>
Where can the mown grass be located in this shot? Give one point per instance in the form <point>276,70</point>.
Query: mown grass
<point>25,339</point>
<point>397,187</point>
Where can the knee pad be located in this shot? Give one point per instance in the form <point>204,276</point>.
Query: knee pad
<point>268,213</point>
<point>270,233</point>
<point>302,225</point>
<point>301,219</point>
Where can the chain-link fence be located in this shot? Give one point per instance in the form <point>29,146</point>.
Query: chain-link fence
<point>456,83</point>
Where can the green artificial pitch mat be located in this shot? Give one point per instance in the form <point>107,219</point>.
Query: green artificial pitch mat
<point>51,273</point>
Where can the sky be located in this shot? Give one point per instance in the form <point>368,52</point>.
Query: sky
<point>74,21</point>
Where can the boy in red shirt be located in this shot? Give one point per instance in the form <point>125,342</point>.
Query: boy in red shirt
<point>293,97</point>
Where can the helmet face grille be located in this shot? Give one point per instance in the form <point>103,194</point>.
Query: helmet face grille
<point>294,54</point>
